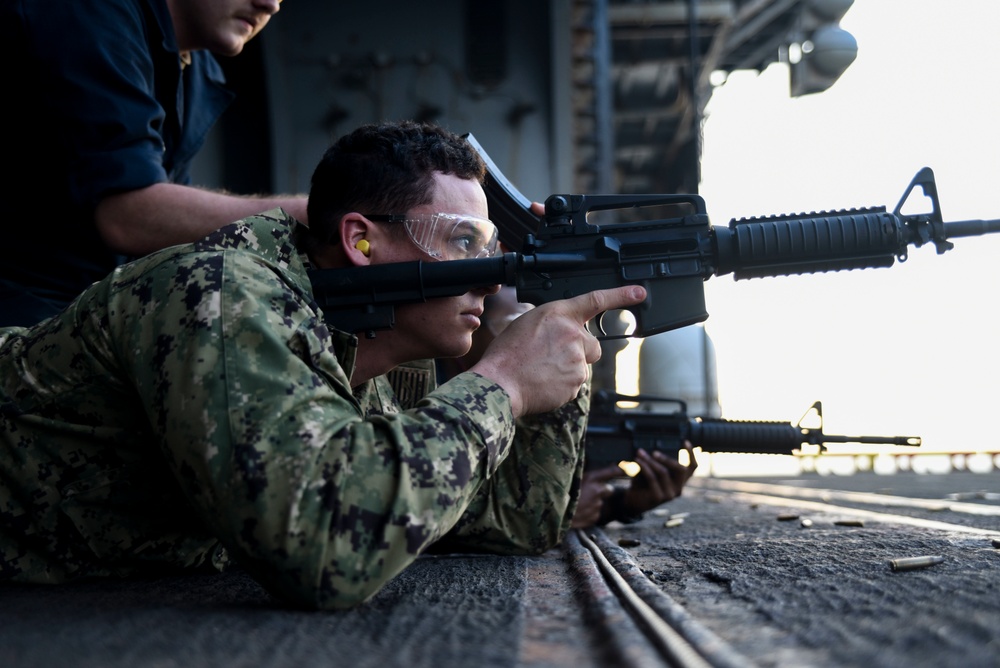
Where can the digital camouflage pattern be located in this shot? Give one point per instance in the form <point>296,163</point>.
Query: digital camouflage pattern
<point>193,408</point>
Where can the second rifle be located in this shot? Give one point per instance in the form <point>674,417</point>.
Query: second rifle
<point>615,434</point>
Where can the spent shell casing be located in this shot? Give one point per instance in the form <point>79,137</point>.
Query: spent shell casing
<point>674,522</point>
<point>912,563</point>
<point>850,523</point>
<point>787,518</point>
<point>628,542</point>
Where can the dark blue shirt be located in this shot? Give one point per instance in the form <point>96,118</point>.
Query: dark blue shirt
<point>96,103</point>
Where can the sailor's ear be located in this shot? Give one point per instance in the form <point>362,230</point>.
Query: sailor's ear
<point>355,237</point>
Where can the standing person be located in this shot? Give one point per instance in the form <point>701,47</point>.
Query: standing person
<point>108,103</point>
<point>194,407</point>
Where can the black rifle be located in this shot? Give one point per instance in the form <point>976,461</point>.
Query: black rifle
<point>565,254</point>
<point>615,434</point>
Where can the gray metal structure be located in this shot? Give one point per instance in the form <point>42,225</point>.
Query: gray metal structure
<point>567,95</point>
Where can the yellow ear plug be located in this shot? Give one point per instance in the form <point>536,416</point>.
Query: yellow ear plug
<point>364,247</point>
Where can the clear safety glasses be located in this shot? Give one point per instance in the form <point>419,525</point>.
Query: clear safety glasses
<point>447,236</point>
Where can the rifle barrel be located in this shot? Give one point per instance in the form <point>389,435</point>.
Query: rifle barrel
<point>971,228</point>
<point>886,440</point>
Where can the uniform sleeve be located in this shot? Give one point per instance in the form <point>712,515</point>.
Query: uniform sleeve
<point>527,507</point>
<point>256,417</point>
<point>99,88</point>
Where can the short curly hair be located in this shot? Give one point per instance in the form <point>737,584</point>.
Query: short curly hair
<point>383,168</point>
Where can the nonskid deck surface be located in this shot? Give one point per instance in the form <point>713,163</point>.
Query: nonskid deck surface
<point>765,572</point>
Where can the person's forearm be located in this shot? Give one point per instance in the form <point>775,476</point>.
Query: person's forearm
<point>528,505</point>
<point>322,499</point>
<point>166,214</point>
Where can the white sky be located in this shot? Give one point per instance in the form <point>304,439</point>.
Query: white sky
<point>911,350</point>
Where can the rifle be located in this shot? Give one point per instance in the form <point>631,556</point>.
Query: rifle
<point>564,253</point>
<point>615,434</point>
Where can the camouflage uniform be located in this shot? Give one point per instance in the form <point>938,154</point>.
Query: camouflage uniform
<point>193,406</point>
